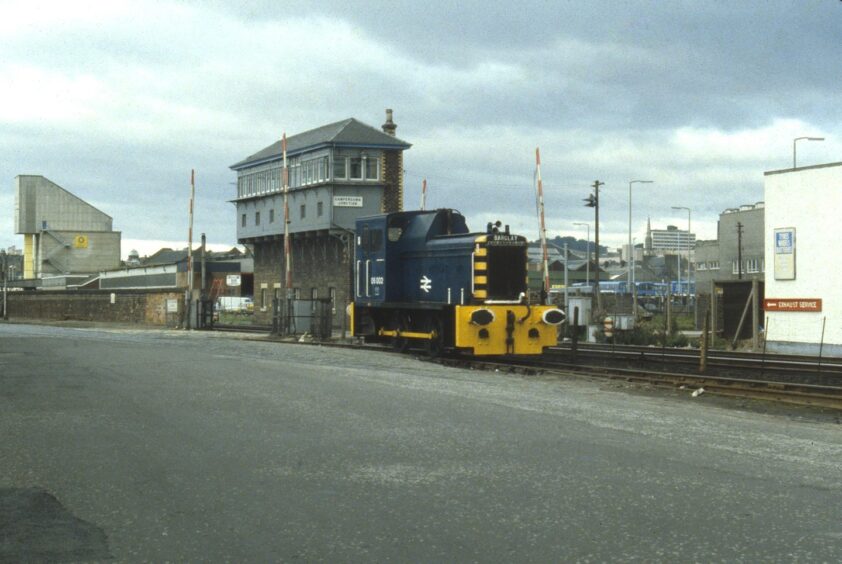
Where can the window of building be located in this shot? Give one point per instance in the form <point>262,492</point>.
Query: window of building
<point>331,292</point>
<point>701,266</point>
<point>319,209</point>
<point>257,218</point>
<point>294,174</point>
<point>356,166</point>
<point>296,293</point>
<point>322,170</point>
<point>340,166</point>
<point>713,265</point>
<point>272,216</point>
<point>371,168</point>
<point>263,298</point>
<point>314,295</point>
<point>303,211</point>
<point>243,220</point>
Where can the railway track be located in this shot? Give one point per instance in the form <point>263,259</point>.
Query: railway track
<point>801,380</point>
<point>783,378</point>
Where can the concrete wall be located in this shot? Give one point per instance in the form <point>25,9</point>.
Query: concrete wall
<point>804,198</point>
<point>752,222</point>
<point>69,252</point>
<point>143,308</point>
<point>271,210</point>
<point>706,254</point>
<point>39,201</point>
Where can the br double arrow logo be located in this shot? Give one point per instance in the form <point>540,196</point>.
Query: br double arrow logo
<point>426,284</point>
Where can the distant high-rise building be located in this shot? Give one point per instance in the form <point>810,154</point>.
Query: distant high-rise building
<point>671,239</point>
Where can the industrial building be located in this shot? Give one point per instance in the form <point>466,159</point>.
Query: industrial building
<point>737,252</point>
<point>13,263</point>
<point>226,273</point>
<point>802,301</point>
<point>337,173</point>
<point>726,267</point>
<point>63,235</point>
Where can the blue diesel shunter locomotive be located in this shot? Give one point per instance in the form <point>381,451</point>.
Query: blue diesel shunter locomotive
<point>422,277</point>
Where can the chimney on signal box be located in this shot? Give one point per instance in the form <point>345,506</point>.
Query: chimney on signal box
<point>389,127</point>
<point>391,171</point>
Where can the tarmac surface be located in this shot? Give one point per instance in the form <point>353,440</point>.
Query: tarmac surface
<point>134,445</point>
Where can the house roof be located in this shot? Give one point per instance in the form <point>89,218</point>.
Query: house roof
<point>348,133</point>
<point>170,256</point>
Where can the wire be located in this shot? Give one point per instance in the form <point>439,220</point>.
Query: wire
<point>462,182</point>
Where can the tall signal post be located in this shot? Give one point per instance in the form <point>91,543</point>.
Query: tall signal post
<point>189,300</point>
<point>545,260</point>
<point>592,201</point>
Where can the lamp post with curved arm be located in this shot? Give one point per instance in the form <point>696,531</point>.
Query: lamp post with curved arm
<point>628,261</point>
<point>588,266</point>
<point>794,141</point>
<point>688,250</point>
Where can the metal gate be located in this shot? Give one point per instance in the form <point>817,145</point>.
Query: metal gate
<point>299,317</point>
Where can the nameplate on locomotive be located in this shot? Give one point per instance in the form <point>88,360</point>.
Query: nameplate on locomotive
<point>503,240</point>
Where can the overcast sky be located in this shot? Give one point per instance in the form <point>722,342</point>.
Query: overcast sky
<point>117,101</point>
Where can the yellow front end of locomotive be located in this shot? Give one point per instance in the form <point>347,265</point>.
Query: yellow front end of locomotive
<point>506,329</point>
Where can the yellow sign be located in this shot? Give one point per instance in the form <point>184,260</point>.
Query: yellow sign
<point>80,241</point>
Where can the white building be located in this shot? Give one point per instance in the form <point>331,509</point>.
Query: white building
<point>671,239</point>
<point>802,289</point>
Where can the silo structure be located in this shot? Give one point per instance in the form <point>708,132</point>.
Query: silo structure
<point>62,233</point>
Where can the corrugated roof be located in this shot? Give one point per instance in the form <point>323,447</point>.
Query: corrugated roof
<point>349,132</point>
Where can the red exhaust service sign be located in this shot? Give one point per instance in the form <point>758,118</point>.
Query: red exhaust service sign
<point>792,304</point>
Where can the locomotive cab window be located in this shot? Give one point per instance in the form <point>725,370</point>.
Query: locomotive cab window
<point>395,230</point>
<point>371,240</point>
<point>506,272</point>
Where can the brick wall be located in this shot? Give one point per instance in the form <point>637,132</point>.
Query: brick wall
<point>319,261</point>
<point>135,306</point>
<point>392,175</point>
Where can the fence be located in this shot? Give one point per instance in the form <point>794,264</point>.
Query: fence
<point>298,317</point>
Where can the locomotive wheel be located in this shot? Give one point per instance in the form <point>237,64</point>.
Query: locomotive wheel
<point>435,346</point>
<point>401,344</point>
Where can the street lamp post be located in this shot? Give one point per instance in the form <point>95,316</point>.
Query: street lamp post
<point>588,265</point>
<point>628,262</point>
<point>688,249</point>
<point>4,271</point>
<point>794,141</point>
<point>634,274</point>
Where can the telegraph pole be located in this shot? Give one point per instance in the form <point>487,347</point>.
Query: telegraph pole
<point>739,251</point>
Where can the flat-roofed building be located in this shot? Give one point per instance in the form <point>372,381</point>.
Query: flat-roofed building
<point>801,295</point>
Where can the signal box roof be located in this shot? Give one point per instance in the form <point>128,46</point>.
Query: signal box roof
<point>346,133</point>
